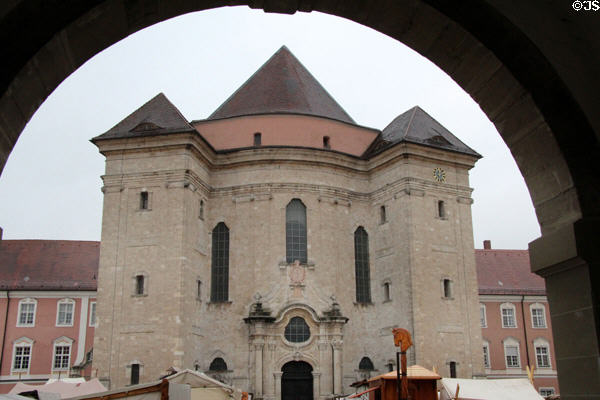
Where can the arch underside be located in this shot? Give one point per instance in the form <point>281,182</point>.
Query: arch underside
<point>532,70</point>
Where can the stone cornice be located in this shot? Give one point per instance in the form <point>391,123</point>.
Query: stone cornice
<point>258,155</point>
<point>182,178</point>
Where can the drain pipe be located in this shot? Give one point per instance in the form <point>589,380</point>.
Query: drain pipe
<point>525,329</point>
<point>4,330</point>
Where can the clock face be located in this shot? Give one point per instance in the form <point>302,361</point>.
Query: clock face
<point>439,174</point>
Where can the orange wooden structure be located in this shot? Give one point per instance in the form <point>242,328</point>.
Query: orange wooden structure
<point>422,385</point>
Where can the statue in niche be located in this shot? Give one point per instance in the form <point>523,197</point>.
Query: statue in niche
<point>297,275</point>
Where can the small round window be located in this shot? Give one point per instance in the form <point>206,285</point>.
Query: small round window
<point>297,331</point>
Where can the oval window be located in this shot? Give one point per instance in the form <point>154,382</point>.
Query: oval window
<point>297,330</point>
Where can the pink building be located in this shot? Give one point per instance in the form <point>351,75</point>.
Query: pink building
<point>515,318</point>
<point>48,306</point>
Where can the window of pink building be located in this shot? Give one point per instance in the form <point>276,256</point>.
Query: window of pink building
<point>538,316</point>
<point>508,315</point>
<point>64,315</point>
<point>22,355</point>
<point>62,354</point>
<point>511,353</point>
<point>26,313</point>
<point>542,353</point>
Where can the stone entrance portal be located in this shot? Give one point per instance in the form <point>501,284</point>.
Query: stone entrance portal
<point>297,381</point>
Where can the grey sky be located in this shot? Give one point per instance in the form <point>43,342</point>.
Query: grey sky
<point>50,187</point>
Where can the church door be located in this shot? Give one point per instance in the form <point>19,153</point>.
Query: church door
<point>296,381</point>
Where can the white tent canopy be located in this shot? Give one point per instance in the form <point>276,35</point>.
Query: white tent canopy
<point>62,388</point>
<point>489,389</point>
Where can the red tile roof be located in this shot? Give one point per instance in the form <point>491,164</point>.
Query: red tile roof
<point>507,272</point>
<point>157,116</point>
<point>48,265</point>
<point>282,85</point>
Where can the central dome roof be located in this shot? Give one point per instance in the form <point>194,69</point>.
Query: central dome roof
<point>281,85</point>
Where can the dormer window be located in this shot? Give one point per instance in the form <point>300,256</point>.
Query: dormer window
<point>326,142</point>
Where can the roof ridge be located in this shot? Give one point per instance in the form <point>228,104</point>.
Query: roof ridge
<point>414,111</point>
<point>236,91</point>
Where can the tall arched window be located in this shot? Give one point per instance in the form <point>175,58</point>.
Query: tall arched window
<point>295,232</point>
<point>361,262</point>
<point>219,290</point>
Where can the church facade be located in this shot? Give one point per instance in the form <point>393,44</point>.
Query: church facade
<point>277,243</point>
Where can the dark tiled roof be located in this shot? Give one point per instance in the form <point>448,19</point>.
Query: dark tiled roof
<point>416,126</point>
<point>281,85</point>
<point>48,265</point>
<point>507,272</point>
<point>158,116</point>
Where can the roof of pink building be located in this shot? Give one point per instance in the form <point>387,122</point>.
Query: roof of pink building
<point>48,265</point>
<point>281,85</point>
<point>507,272</point>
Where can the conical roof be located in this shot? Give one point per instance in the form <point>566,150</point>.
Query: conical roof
<point>416,126</point>
<point>281,85</point>
<point>157,116</point>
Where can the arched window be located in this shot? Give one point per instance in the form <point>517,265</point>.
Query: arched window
<point>366,364</point>
<point>361,263</point>
<point>218,365</point>
<point>297,331</point>
<point>219,290</point>
<point>295,232</point>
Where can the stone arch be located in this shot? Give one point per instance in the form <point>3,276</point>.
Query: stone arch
<point>297,356</point>
<point>285,312</point>
<point>518,101</point>
<point>509,57</point>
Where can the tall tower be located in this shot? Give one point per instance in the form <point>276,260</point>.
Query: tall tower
<point>278,238</point>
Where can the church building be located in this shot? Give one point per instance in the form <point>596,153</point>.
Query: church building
<point>277,243</point>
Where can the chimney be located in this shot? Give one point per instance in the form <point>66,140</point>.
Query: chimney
<point>487,244</point>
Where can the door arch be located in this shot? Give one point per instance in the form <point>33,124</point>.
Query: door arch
<point>297,381</point>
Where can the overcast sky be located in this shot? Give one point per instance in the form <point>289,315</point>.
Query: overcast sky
<point>50,187</point>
